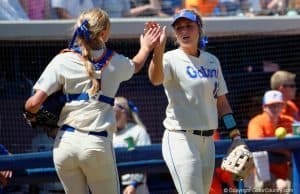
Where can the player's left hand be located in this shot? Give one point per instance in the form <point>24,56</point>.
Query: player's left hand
<point>150,38</point>
<point>239,159</point>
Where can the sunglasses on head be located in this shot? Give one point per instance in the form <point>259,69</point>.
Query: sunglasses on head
<point>290,85</point>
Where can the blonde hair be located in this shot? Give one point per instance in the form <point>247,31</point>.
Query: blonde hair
<point>98,21</point>
<point>132,115</point>
<point>280,78</point>
<point>200,24</point>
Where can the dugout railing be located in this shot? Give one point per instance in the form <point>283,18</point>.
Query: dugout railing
<point>38,167</point>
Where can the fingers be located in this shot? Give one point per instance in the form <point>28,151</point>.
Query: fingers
<point>149,25</point>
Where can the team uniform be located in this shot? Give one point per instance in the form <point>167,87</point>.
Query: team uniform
<point>84,141</point>
<point>192,85</point>
<point>140,138</point>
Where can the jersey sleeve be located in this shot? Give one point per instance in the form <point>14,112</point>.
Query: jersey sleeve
<point>49,80</point>
<point>124,67</point>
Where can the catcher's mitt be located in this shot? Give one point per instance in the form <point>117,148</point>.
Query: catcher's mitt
<point>48,115</point>
<point>239,159</point>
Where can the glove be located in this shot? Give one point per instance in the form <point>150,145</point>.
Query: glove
<point>48,115</point>
<point>239,159</point>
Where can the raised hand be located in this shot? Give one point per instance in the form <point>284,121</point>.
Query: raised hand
<point>163,32</point>
<point>150,38</point>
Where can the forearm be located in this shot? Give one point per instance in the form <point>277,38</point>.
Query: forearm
<point>227,117</point>
<point>223,106</point>
<point>63,14</point>
<point>155,71</point>
<point>138,10</point>
<point>34,103</point>
<point>140,58</point>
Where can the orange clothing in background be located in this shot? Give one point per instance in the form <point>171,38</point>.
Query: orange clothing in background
<point>291,110</point>
<point>220,176</point>
<point>260,127</point>
<point>204,7</point>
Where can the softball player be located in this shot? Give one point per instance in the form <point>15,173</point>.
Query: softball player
<point>195,88</point>
<point>130,132</point>
<point>89,76</point>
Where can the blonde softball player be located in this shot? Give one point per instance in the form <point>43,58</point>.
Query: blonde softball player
<point>130,132</point>
<point>195,88</point>
<point>89,75</point>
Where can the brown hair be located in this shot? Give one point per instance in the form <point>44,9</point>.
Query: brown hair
<point>98,21</point>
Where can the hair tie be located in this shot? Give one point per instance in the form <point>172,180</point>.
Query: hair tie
<point>132,106</point>
<point>203,41</point>
<point>83,31</point>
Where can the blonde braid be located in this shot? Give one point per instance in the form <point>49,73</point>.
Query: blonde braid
<point>98,21</point>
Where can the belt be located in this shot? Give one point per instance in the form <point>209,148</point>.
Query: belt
<point>56,191</point>
<point>201,133</point>
<point>72,129</point>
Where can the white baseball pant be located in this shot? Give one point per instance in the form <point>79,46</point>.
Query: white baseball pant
<point>85,161</point>
<point>190,159</point>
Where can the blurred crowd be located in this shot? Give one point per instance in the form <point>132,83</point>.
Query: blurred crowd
<point>68,9</point>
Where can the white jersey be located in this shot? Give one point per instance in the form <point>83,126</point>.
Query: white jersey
<point>140,138</point>
<point>66,71</point>
<point>192,85</point>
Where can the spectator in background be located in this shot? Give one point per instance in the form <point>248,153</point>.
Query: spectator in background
<point>36,9</point>
<point>5,175</point>
<point>273,7</point>
<point>12,10</point>
<point>171,7</point>
<point>69,9</point>
<point>114,8</point>
<point>130,132</point>
<point>293,7</point>
<point>127,8</point>
<point>229,7</point>
<point>264,125</point>
<point>154,8</point>
<point>284,82</point>
<point>204,7</point>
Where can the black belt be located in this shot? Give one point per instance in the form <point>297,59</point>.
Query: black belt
<point>201,133</point>
<point>72,129</point>
<point>56,191</point>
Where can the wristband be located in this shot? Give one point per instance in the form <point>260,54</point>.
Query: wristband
<point>134,184</point>
<point>229,121</point>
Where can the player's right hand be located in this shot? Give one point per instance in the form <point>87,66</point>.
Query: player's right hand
<point>30,118</point>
